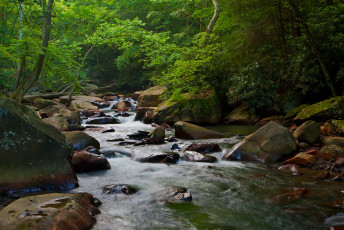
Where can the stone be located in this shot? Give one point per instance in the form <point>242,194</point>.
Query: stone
<point>334,127</point>
<point>101,104</point>
<point>151,97</point>
<point>111,130</point>
<point>304,145</point>
<point>58,122</point>
<point>204,107</point>
<point>149,116</point>
<point>142,112</point>
<point>175,195</point>
<point>74,127</point>
<point>119,189</point>
<point>81,140</point>
<point>136,95</point>
<point>291,168</point>
<point>241,116</point>
<point>289,195</point>
<point>92,149</point>
<point>157,136</point>
<point>41,103</point>
<point>139,135</point>
<point>267,144</point>
<point>186,130</point>
<point>332,108</point>
<point>292,113</point>
<point>332,141</point>
<point>103,121</point>
<point>175,147</point>
<point>302,159</point>
<point>33,154</point>
<point>50,110</point>
<point>324,174</point>
<point>330,152</point>
<point>110,98</point>
<point>167,158</point>
<point>122,105</point>
<point>338,165</point>
<point>204,148</point>
<point>308,132</point>
<point>51,211</point>
<point>265,120</point>
<point>72,117</point>
<point>85,162</point>
<point>197,157</point>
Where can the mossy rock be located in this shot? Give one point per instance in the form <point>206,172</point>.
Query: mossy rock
<point>189,131</point>
<point>241,116</point>
<point>335,126</point>
<point>292,113</point>
<point>332,108</point>
<point>151,97</point>
<point>201,108</point>
<point>41,103</point>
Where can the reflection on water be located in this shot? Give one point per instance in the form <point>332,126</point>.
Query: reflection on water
<point>226,195</point>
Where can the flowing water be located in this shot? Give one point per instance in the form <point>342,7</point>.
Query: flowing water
<point>226,195</point>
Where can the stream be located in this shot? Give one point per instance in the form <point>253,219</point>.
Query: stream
<point>226,195</point>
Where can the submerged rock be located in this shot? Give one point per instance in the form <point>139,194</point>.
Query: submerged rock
<point>175,195</point>
<point>51,211</point>
<point>289,195</point>
<point>197,157</point>
<point>85,162</point>
<point>186,130</point>
<point>119,188</point>
<point>308,132</point>
<point>267,144</point>
<point>204,148</point>
<point>81,140</point>
<point>33,154</point>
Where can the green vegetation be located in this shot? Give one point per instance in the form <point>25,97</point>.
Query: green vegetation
<point>272,54</point>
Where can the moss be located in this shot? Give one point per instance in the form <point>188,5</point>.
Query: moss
<point>295,111</point>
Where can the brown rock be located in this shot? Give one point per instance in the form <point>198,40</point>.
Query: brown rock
<point>289,195</point>
<point>204,148</point>
<point>330,152</point>
<point>291,168</point>
<point>302,159</point>
<point>332,141</point>
<point>84,162</point>
<point>151,97</point>
<point>322,175</point>
<point>186,130</point>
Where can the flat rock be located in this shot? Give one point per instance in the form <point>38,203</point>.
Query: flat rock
<point>197,157</point>
<point>119,189</point>
<point>186,130</point>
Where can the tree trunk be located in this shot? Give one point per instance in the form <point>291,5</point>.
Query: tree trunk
<point>215,17</point>
<point>314,48</point>
<point>35,73</point>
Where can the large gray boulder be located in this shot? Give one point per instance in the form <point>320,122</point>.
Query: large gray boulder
<point>33,154</point>
<point>308,132</point>
<point>267,144</point>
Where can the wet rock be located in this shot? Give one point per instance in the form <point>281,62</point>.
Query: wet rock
<point>308,132</point>
<point>72,117</point>
<point>175,195</point>
<point>75,127</point>
<point>116,140</point>
<point>58,122</point>
<point>83,103</point>
<point>122,106</point>
<point>332,141</point>
<point>338,165</point>
<point>304,145</point>
<point>291,168</point>
<point>204,148</point>
<point>123,115</point>
<point>125,143</point>
<point>41,103</point>
<point>197,157</point>
<point>109,130</point>
<point>33,154</point>
<point>157,136</point>
<point>322,175</point>
<point>151,97</point>
<point>267,144</point>
<point>241,116</point>
<point>92,149</point>
<point>136,95</point>
<point>141,113</point>
<point>175,147</point>
<point>139,135</point>
<point>103,121</point>
<point>330,152</point>
<point>50,110</point>
<point>100,104</point>
<point>302,159</point>
<point>338,178</point>
<point>203,107</point>
<point>288,195</point>
<point>50,211</point>
<point>81,140</point>
<point>85,162</point>
<point>167,158</point>
<point>171,139</point>
<point>119,189</point>
<point>186,130</point>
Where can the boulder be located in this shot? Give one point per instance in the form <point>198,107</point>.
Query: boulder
<point>278,119</point>
<point>332,108</point>
<point>292,113</point>
<point>308,132</point>
<point>197,157</point>
<point>74,127</point>
<point>33,154</point>
<point>81,140</point>
<point>51,211</point>
<point>267,144</point>
<point>142,112</point>
<point>41,103</point>
<point>101,104</point>
<point>338,165</point>
<point>122,106</point>
<point>241,116</point>
<point>136,95</point>
<point>83,102</point>
<point>291,168</point>
<point>103,120</point>
<point>58,122</point>
<point>72,117</point>
<point>157,136</point>
<point>204,148</point>
<point>167,158</point>
<point>330,152</point>
<point>50,110</point>
<point>85,162</point>
<point>175,195</point>
<point>151,97</point>
<point>186,130</point>
<point>203,107</point>
<point>302,159</point>
<point>119,188</point>
<point>332,141</point>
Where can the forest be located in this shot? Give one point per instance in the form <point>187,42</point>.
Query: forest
<point>272,54</point>
<point>171,114</point>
